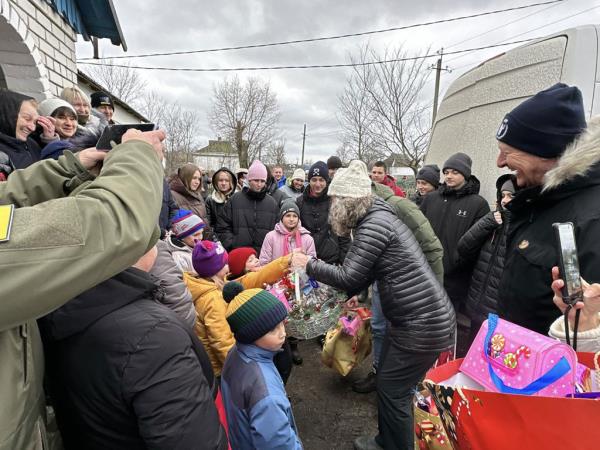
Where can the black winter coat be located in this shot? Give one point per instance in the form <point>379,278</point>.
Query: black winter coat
<point>124,372</point>
<point>21,153</point>
<point>451,213</point>
<point>246,219</point>
<point>314,216</point>
<point>384,250</point>
<point>273,190</point>
<point>572,195</point>
<point>485,243</point>
<point>167,210</point>
<point>216,201</point>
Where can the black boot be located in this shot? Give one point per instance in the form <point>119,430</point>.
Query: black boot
<point>367,384</point>
<point>296,356</point>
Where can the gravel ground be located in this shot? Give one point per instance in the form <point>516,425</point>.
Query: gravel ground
<point>328,413</point>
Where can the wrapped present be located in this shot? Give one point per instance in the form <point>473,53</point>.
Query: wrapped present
<point>476,419</point>
<point>507,358</point>
<point>343,352</point>
<point>351,321</point>
<point>313,307</point>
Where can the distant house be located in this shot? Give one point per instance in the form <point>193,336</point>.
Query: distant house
<point>218,153</point>
<point>37,41</point>
<point>123,112</point>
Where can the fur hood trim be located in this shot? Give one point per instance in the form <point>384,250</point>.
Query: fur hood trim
<point>578,158</point>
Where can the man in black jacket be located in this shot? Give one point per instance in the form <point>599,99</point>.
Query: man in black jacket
<point>559,177</point>
<point>452,210</point>
<point>124,372</point>
<point>250,214</point>
<point>314,206</point>
<point>421,316</point>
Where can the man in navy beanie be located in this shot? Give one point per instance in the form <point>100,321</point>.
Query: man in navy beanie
<point>559,177</point>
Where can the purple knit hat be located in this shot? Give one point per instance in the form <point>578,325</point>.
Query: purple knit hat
<point>185,223</point>
<point>208,258</point>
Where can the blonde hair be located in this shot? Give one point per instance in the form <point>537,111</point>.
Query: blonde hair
<point>72,94</point>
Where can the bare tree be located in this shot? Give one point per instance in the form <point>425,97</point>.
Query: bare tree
<point>246,114</point>
<point>275,154</point>
<point>124,82</point>
<point>182,127</point>
<point>357,119</point>
<point>153,106</point>
<point>381,109</point>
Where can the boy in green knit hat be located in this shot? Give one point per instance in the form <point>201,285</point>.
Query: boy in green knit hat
<point>259,413</point>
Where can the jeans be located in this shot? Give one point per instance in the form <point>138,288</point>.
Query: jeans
<point>378,325</point>
<point>397,375</point>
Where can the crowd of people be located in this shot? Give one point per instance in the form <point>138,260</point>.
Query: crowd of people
<point>134,303</point>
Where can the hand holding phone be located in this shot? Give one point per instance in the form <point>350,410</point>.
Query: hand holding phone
<point>114,134</point>
<point>572,290</point>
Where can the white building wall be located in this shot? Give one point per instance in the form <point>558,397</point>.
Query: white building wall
<point>37,48</point>
<point>213,163</point>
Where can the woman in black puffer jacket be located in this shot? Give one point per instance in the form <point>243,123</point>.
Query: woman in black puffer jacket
<point>485,243</point>
<point>421,316</point>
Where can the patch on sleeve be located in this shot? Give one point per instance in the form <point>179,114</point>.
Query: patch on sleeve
<point>6,219</point>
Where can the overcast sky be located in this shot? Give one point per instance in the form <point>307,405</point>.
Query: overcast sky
<point>310,96</point>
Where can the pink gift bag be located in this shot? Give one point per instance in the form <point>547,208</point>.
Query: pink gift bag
<point>510,359</point>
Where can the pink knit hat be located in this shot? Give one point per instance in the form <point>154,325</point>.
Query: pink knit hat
<point>257,171</point>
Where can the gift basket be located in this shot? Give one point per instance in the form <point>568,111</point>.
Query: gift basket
<point>313,307</point>
<point>517,389</point>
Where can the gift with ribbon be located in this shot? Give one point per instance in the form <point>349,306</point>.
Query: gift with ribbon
<point>510,359</point>
<point>477,419</point>
<point>342,351</point>
<point>352,320</point>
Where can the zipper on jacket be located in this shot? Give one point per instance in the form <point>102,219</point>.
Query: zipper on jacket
<point>23,333</point>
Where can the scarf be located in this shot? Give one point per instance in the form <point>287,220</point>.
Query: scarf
<point>288,236</point>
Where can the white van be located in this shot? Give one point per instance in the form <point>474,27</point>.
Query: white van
<point>476,102</point>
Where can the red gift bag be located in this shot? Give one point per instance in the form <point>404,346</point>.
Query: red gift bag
<point>478,420</point>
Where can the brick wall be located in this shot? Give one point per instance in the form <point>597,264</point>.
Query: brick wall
<point>51,42</point>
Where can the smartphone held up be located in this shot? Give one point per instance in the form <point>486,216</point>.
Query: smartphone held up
<point>572,291</point>
<point>113,134</point>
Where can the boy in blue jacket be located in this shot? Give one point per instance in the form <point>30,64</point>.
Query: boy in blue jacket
<point>258,411</point>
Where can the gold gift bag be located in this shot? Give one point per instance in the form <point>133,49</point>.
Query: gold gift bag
<point>343,352</point>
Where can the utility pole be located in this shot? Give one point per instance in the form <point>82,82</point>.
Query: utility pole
<point>303,141</point>
<point>438,71</point>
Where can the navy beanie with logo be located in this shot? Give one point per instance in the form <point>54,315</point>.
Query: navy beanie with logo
<point>545,124</point>
<point>319,169</point>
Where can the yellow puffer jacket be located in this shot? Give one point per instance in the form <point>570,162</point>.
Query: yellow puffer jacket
<point>212,327</point>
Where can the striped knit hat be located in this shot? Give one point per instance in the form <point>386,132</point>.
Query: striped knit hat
<point>185,223</point>
<point>251,313</point>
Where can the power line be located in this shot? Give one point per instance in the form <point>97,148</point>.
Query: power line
<point>532,30</point>
<point>316,66</point>
<point>328,38</point>
<point>554,5</point>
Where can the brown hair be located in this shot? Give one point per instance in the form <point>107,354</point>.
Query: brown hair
<point>186,173</point>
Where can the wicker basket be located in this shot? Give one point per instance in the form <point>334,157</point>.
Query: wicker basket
<point>317,309</point>
<point>308,323</point>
